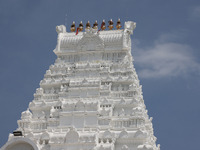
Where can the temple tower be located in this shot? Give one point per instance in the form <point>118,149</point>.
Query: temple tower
<point>90,98</point>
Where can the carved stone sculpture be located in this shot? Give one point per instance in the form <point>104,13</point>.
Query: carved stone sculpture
<point>60,29</point>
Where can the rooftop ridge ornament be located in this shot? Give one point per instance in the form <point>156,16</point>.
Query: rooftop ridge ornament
<point>103,27</point>
<point>90,32</point>
<point>60,29</point>
<point>95,25</point>
<point>118,26</point>
<point>87,25</point>
<point>80,28</point>
<point>110,24</point>
<point>73,27</point>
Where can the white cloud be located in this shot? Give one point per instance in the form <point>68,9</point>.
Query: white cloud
<point>164,58</point>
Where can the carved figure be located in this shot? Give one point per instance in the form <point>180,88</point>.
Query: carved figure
<point>146,147</point>
<point>39,90</point>
<point>120,88</point>
<point>129,27</point>
<point>42,115</point>
<point>124,147</point>
<point>54,112</point>
<point>105,112</point>
<point>48,72</point>
<point>61,88</point>
<point>60,29</point>
<point>132,86</point>
<point>52,90</point>
<point>122,112</point>
<point>26,114</point>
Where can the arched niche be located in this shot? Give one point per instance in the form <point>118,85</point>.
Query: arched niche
<point>107,134</point>
<point>101,147</point>
<point>139,134</point>
<point>124,147</point>
<point>80,106</point>
<point>30,136</point>
<point>20,143</point>
<point>105,101</point>
<point>145,147</point>
<point>123,134</point>
<point>72,136</point>
<point>122,101</point>
<point>45,138</point>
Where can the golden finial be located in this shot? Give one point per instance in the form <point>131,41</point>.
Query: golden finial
<point>95,25</point>
<point>87,25</point>
<point>118,26</point>
<point>110,24</point>
<point>73,27</point>
<point>80,27</point>
<point>103,27</point>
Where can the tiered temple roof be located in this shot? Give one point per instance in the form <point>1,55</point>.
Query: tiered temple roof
<point>90,98</point>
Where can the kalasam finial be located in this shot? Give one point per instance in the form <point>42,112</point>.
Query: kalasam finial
<point>73,27</point>
<point>103,27</point>
<point>110,24</point>
<point>118,26</point>
<point>95,25</point>
<point>80,27</point>
<point>87,25</point>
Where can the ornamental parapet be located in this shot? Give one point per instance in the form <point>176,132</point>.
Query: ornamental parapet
<point>91,39</point>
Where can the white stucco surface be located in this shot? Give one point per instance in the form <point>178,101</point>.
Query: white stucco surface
<point>90,98</point>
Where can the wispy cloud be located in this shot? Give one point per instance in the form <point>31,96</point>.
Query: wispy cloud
<point>164,58</point>
<point>195,13</point>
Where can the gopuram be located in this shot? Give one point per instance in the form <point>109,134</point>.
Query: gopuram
<point>90,98</point>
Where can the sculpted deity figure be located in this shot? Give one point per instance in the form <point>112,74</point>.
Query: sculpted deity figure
<point>65,88</point>
<point>26,114</point>
<point>48,72</point>
<point>42,115</point>
<point>122,112</point>
<point>105,112</point>
<point>124,147</point>
<point>132,86</point>
<point>61,88</point>
<point>126,59</point>
<point>115,88</point>
<point>52,90</point>
<point>54,112</point>
<point>120,87</point>
<point>39,90</point>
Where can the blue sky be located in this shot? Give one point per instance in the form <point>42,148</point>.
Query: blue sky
<point>165,48</point>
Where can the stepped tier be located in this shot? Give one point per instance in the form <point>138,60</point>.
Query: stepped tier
<point>90,98</point>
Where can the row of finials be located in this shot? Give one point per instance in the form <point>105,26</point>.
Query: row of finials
<point>95,25</point>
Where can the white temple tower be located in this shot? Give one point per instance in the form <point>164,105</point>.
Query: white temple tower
<point>89,99</point>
